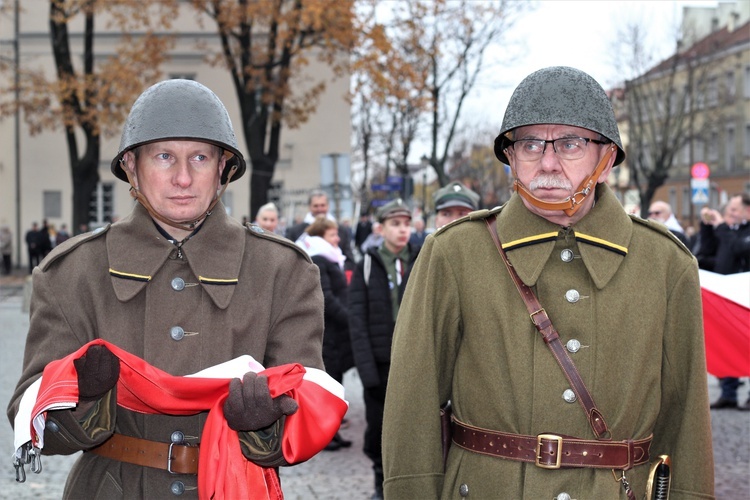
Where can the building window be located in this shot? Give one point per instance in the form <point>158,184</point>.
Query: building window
<point>730,86</point>
<point>52,204</point>
<point>687,200</point>
<point>729,158</point>
<point>713,146</point>
<point>700,151</point>
<point>746,83</point>
<point>713,91</point>
<point>101,205</point>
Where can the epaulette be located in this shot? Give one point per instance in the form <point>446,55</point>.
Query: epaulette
<point>475,215</point>
<point>661,229</point>
<point>258,231</point>
<point>71,244</point>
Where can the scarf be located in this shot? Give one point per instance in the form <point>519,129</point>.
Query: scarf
<point>223,471</point>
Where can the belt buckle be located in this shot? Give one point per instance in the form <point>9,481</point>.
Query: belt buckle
<point>550,437</point>
<point>170,458</point>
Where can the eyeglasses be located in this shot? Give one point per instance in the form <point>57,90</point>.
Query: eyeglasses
<point>654,212</point>
<point>566,148</point>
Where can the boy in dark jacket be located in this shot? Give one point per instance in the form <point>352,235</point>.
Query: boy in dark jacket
<point>376,292</point>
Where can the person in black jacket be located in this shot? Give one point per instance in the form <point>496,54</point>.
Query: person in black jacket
<point>374,298</point>
<point>724,250</point>
<point>321,244</point>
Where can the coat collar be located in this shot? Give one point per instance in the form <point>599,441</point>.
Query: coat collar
<point>137,251</point>
<point>602,237</point>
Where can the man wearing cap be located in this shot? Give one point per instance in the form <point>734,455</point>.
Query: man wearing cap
<point>574,368</point>
<point>181,285</point>
<point>375,294</point>
<point>453,202</point>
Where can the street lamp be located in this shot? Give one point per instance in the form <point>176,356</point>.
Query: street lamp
<point>424,161</point>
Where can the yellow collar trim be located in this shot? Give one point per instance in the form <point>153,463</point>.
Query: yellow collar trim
<point>531,240</point>
<point>218,281</point>
<point>129,276</point>
<point>601,243</point>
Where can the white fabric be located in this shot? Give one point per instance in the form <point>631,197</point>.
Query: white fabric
<point>673,225</point>
<point>734,287</point>
<point>315,245</point>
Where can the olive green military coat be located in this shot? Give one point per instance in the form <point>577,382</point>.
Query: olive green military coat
<point>245,292</point>
<point>630,295</point>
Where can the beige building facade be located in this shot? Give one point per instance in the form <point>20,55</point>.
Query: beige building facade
<point>720,119</point>
<point>35,180</point>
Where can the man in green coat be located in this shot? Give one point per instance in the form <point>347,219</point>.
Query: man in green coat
<point>181,285</point>
<point>622,293</point>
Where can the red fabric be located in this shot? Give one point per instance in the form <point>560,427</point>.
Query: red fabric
<point>223,470</point>
<point>727,335</point>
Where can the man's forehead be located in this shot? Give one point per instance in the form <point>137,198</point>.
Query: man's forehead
<point>316,200</point>
<point>555,131</point>
<point>180,145</point>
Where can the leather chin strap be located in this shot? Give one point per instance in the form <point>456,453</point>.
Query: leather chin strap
<point>571,204</point>
<point>185,225</point>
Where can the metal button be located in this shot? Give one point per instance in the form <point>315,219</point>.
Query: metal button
<point>569,396</point>
<point>562,496</point>
<point>176,332</point>
<point>463,490</point>
<point>257,229</point>
<point>573,345</point>
<point>178,284</point>
<point>177,437</point>
<point>572,296</point>
<point>177,488</point>
<point>566,255</point>
<point>52,426</point>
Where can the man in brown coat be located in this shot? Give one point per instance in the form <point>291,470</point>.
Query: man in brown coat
<point>622,293</point>
<point>181,285</point>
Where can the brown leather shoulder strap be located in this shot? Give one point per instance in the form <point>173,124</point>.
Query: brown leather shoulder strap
<point>544,325</point>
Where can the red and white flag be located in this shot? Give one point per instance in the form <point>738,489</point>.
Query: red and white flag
<point>223,471</point>
<point>726,323</point>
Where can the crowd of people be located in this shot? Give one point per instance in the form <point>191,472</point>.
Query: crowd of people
<point>430,318</point>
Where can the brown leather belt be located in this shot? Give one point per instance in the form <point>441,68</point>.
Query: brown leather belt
<point>552,451</point>
<point>175,458</point>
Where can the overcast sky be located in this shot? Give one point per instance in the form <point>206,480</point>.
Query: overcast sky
<point>570,33</point>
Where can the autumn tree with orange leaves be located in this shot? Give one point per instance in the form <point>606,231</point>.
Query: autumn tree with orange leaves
<point>428,56</point>
<point>265,46</point>
<point>90,94</point>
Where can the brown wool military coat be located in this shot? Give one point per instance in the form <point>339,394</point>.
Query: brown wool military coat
<point>245,292</point>
<point>463,333</point>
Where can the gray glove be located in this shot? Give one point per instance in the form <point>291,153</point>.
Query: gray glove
<point>98,371</point>
<point>250,407</point>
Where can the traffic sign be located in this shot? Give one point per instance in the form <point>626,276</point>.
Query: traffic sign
<point>700,189</point>
<point>378,203</point>
<point>385,187</point>
<point>699,171</point>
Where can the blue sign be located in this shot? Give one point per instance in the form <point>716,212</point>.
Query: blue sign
<point>395,179</point>
<point>378,203</point>
<point>385,187</point>
<point>700,189</point>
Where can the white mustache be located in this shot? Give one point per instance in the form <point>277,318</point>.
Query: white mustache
<point>550,182</point>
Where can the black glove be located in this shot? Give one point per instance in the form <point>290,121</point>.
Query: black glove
<point>249,406</point>
<point>98,371</point>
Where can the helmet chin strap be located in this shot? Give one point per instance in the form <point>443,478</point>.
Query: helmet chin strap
<point>185,225</point>
<point>571,204</point>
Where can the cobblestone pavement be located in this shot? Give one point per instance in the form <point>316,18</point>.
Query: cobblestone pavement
<point>342,474</point>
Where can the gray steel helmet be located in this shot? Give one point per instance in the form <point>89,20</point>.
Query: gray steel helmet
<point>564,96</point>
<point>179,109</point>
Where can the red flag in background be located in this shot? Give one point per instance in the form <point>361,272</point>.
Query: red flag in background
<point>726,323</point>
